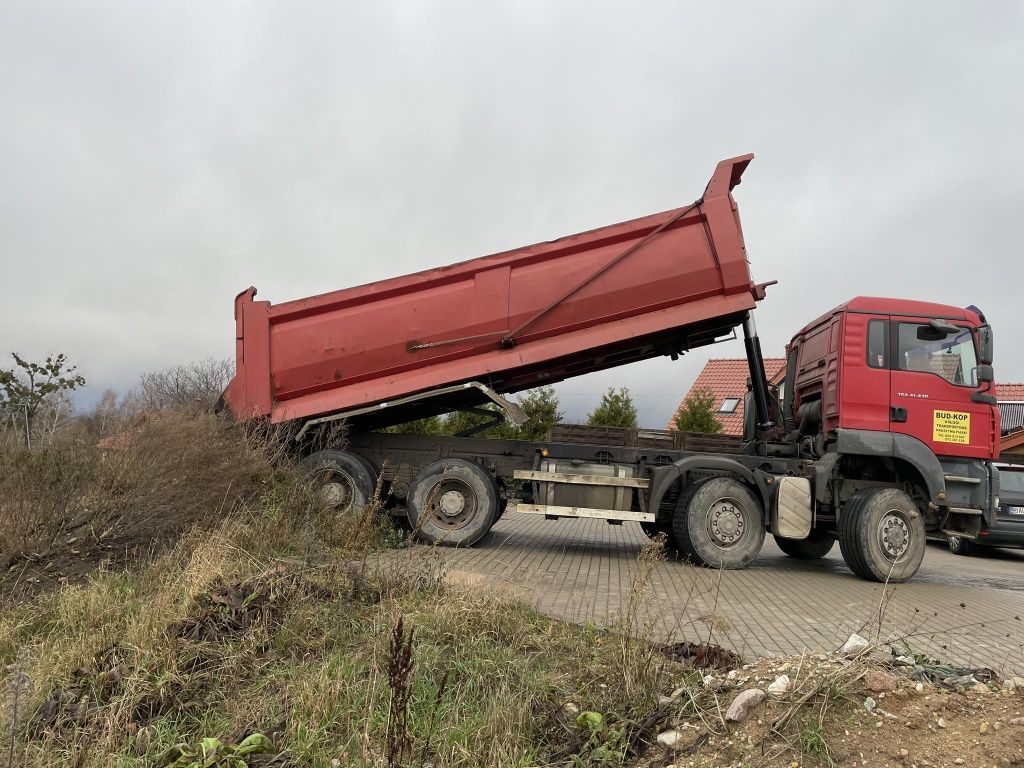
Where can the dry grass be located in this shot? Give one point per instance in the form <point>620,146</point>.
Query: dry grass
<point>246,607</point>
<point>485,681</point>
<point>76,504</point>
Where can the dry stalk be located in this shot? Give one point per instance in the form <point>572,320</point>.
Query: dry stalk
<point>17,687</point>
<point>400,666</point>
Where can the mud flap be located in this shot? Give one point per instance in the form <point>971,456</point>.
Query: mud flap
<point>792,508</point>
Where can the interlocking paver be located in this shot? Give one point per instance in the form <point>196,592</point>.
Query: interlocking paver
<point>963,610</point>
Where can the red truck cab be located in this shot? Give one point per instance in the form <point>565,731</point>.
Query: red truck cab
<point>907,384</point>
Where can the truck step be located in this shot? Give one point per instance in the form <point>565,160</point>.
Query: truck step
<point>550,510</point>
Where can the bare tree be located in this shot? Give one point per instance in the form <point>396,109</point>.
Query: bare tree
<point>199,383</point>
<point>108,415</point>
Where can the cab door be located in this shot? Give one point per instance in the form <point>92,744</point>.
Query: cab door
<point>866,376</point>
<point>934,375</point>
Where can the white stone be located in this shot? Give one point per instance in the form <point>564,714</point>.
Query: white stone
<point>781,685</point>
<point>919,687</point>
<point>855,646</point>
<point>869,704</point>
<point>670,738</point>
<point>743,703</point>
<point>713,683</point>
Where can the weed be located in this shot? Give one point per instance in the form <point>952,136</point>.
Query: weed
<point>606,743</point>
<point>213,753</point>
<point>812,743</point>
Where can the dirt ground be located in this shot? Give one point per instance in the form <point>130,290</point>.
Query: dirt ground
<point>823,721</point>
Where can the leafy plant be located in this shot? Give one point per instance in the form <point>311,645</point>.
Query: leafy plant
<point>213,753</point>
<point>606,745</point>
<point>24,388</point>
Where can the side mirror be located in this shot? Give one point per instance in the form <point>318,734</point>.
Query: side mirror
<point>941,326</point>
<point>985,345</point>
<point>985,373</point>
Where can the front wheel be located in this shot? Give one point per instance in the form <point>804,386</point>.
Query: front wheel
<point>453,502</point>
<point>960,546</point>
<point>719,523</point>
<point>882,535</point>
<point>814,547</point>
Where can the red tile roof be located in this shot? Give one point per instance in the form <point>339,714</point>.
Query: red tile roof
<point>1010,393</point>
<point>728,378</point>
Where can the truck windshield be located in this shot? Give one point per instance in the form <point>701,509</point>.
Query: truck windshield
<point>951,357</point>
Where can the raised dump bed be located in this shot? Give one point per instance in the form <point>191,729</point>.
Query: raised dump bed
<point>403,348</point>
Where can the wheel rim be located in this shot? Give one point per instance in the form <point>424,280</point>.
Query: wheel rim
<point>452,503</point>
<point>726,522</point>
<point>894,535</point>
<point>338,490</point>
<point>954,543</point>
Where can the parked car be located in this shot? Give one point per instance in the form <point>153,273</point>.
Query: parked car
<point>1008,530</point>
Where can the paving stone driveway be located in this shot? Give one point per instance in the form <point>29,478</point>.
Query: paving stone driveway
<point>968,611</point>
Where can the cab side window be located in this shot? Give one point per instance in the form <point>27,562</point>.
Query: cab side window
<point>878,338</point>
<point>951,357</point>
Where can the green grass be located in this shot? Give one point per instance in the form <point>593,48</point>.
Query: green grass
<point>813,744</point>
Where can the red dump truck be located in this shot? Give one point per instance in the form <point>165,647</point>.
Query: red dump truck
<point>885,427</point>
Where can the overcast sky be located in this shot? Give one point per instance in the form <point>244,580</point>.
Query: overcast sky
<point>156,158</point>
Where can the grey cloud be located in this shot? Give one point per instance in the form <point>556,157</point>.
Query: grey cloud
<point>156,159</point>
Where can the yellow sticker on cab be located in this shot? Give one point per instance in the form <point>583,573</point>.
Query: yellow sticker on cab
<point>951,427</point>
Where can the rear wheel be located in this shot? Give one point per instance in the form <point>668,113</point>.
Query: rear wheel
<point>344,480</point>
<point>960,546</point>
<point>815,546</point>
<point>882,535</point>
<point>453,502</point>
<point>719,523</point>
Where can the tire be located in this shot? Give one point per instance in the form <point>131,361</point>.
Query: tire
<point>882,535</point>
<point>814,547</point>
<point>719,523</point>
<point>960,546</point>
<point>461,518</point>
<point>345,481</point>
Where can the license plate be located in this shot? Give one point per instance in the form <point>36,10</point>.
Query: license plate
<point>1015,511</point>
